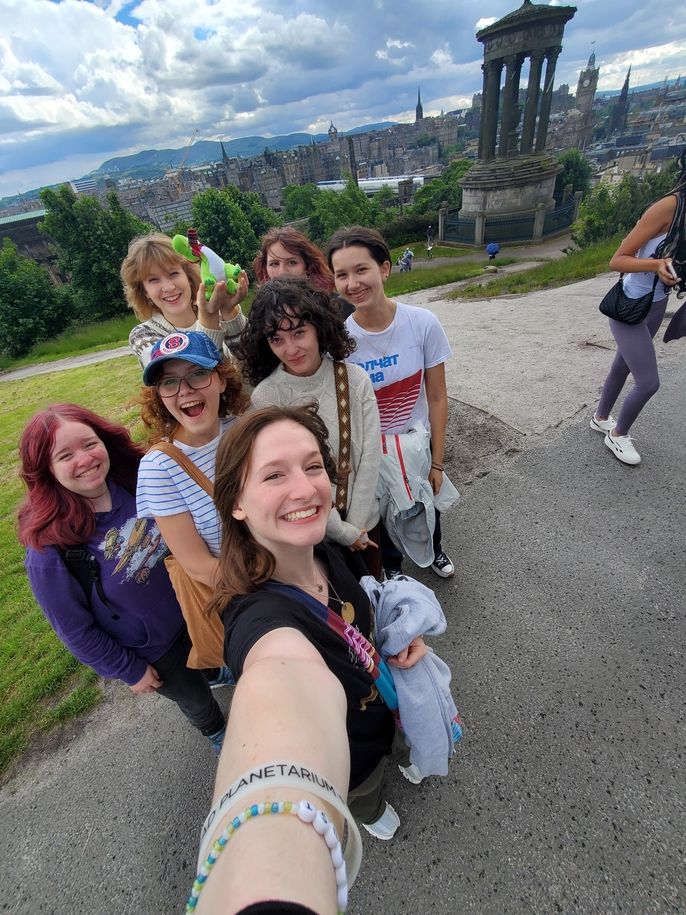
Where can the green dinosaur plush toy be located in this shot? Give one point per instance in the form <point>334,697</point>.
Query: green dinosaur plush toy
<point>212,267</point>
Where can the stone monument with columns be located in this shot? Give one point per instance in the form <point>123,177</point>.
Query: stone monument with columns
<point>514,177</point>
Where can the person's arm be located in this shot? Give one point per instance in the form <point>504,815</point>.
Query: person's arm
<point>187,546</point>
<point>437,398</point>
<point>655,221</point>
<point>287,706</point>
<point>64,604</point>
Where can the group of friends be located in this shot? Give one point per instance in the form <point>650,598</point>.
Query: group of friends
<point>280,448</point>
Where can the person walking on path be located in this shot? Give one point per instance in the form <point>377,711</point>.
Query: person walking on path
<point>652,256</point>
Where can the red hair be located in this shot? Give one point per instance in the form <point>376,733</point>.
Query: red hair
<point>51,515</point>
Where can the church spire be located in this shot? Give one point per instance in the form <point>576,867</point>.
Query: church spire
<point>419,111</point>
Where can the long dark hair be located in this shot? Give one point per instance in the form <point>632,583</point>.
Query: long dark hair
<point>674,245</point>
<point>293,301</point>
<point>349,236</point>
<point>244,564</point>
<point>51,515</point>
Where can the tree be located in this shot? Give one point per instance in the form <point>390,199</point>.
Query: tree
<point>430,197</point>
<point>223,226</point>
<point>32,308</point>
<point>260,217</point>
<point>299,200</point>
<point>333,209</point>
<point>610,209</point>
<point>92,241</point>
<point>576,170</point>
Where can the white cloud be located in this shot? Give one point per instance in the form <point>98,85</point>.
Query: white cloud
<point>82,82</point>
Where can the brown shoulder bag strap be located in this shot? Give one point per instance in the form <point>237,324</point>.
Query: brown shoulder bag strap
<point>176,454</point>
<point>344,435</point>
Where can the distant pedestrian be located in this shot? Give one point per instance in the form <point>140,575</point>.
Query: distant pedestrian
<point>430,237</point>
<point>652,258</point>
<point>492,249</point>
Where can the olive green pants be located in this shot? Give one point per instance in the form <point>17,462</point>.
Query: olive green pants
<point>366,802</point>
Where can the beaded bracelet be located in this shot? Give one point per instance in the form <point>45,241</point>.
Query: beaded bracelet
<point>306,813</point>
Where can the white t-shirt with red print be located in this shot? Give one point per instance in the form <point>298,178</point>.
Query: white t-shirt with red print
<point>395,360</point>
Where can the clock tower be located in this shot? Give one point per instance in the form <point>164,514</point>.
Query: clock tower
<point>585,95</point>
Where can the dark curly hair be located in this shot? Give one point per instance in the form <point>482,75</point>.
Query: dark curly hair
<point>293,302</point>
<point>159,422</point>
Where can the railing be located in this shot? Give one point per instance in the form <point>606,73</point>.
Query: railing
<point>560,219</point>
<point>459,229</point>
<point>518,227</point>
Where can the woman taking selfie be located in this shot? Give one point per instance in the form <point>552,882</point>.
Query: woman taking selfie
<point>273,494</point>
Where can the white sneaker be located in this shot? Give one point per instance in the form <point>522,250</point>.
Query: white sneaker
<point>602,425</point>
<point>623,449</point>
<point>385,827</point>
<point>412,774</point>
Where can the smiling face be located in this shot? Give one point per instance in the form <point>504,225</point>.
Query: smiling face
<point>296,346</point>
<point>358,277</point>
<point>79,460</point>
<point>285,499</point>
<point>280,262</point>
<point>169,289</point>
<point>196,410</point>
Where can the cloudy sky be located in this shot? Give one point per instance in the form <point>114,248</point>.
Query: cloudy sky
<point>83,81</point>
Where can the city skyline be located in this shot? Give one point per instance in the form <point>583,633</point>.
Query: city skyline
<point>83,82</point>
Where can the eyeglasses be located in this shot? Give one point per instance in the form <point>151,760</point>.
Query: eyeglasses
<point>170,385</point>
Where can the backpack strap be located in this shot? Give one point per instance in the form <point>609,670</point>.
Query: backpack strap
<point>194,472</point>
<point>85,568</point>
<point>344,436</point>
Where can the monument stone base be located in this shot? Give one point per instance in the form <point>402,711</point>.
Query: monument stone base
<point>509,186</point>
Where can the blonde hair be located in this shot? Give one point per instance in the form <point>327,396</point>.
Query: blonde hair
<point>146,252</point>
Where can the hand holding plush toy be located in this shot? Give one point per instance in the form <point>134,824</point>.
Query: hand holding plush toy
<point>212,267</point>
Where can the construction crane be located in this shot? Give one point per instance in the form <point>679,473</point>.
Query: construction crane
<point>175,177</point>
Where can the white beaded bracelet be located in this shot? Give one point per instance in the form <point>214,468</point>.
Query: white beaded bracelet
<point>283,774</point>
<point>306,813</point>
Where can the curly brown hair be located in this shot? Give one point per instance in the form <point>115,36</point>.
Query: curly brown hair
<point>293,301</point>
<point>244,564</point>
<point>145,253</point>
<point>161,424</point>
<point>294,242</point>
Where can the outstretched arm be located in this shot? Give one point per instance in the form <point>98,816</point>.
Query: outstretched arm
<point>287,706</point>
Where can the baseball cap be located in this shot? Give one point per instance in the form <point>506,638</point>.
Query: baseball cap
<point>192,346</point>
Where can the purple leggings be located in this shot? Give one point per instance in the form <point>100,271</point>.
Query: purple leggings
<point>635,354</point>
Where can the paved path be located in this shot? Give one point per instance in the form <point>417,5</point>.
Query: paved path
<point>565,637</point>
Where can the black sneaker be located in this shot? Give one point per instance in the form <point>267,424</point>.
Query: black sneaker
<point>443,565</point>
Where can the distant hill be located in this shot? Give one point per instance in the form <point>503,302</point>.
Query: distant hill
<point>153,163</point>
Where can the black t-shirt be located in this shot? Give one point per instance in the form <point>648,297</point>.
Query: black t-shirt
<point>370,724</point>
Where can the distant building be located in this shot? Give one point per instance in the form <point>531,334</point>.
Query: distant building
<point>585,96</point>
<point>86,186</point>
<point>620,112</point>
<point>419,111</point>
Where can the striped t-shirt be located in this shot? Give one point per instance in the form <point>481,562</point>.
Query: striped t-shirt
<point>164,488</point>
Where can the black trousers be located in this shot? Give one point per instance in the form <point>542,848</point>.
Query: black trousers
<point>188,688</point>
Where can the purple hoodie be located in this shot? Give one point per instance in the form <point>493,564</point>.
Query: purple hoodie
<point>141,619</point>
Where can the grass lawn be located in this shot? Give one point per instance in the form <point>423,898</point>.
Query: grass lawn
<point>419,250</point>
<point>428,277</point>
<point>579,265</point>
<point>40,683</point>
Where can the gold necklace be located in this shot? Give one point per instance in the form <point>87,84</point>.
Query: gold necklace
<point>347,609</point>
